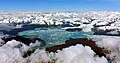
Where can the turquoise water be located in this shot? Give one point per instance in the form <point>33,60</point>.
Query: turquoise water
<point>55,36</point>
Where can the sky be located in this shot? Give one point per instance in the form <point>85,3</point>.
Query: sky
<point>59,5</point>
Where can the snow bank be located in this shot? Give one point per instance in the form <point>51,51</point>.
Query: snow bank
<point>73,54</point>
<point>112,44</point>
<point>12,53</point>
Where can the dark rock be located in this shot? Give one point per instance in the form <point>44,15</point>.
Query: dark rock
<point>24,40</point>
<point>86,23</point>
<point>69,24</point>
<point>23,28</point>
<point>105,32</point>
<point>73,29</point>
<point>84,41</point>
<point>76,24</point>
<point>18,38</point>
<point>28,53</point>
<point>34,38</point>
<point>101,25</point>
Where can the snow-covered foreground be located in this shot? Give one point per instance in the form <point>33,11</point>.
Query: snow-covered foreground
<point>112,44</point>
<point>13,51</point>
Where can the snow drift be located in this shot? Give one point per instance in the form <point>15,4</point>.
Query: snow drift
<point>112,44</point>
<point>13,51</point>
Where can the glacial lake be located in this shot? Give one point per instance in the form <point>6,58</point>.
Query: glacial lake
<point>55,36</point>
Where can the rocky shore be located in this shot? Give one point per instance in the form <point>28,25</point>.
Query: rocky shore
<point>72,48</point>
<point>71,42</point>
<point>26,41</point>
<point>84,41</point>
